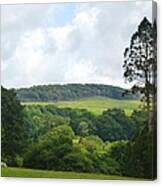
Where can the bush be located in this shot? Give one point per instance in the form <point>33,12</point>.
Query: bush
<point>19,161</point>
<point>141,156</point>
<point>79,162</point>
<point>49,151</point>
<point>118,150</point>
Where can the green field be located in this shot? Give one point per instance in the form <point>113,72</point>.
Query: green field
<point>31,173</point>
<point>95,104</point>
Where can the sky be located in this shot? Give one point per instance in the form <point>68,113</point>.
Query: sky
<point>67,42</point>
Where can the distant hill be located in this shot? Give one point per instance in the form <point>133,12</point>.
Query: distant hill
<point>71,92</point>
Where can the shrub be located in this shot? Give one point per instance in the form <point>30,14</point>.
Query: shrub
<point>19,161</point>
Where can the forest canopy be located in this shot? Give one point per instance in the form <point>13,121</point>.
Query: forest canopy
<point>71,91</point>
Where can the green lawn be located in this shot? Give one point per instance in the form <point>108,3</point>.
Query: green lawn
<point>31,173</point>
<point>95,104</point>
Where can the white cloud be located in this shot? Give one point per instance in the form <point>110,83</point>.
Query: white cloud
<point>87,49</point>
<point>83,71</point>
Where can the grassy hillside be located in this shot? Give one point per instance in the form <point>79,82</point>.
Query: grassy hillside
<point>95,104</point>
<point>31,173</point>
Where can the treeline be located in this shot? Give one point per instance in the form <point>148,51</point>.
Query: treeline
<point>111,125</point>
<point>51,138</point>
<point>70,92</point>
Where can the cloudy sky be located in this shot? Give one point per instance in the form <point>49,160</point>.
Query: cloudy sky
<point>67,43</point>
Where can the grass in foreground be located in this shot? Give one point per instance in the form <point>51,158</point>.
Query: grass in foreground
<point>31,173</point>
<point>95,105</point>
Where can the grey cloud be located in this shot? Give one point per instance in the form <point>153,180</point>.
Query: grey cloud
<point>17,19</point>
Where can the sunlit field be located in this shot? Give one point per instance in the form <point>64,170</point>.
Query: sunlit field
<point>31,173</point>
<point>95,105</point>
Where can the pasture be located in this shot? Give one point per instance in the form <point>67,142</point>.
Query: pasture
<point>95,104</point>
<point>31,173</point>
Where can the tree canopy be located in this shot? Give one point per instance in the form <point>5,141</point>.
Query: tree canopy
<point>140,65</point>
<point>14,129</point>
<point>70,92</point>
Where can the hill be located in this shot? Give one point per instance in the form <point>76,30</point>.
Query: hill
<point>70,92</point>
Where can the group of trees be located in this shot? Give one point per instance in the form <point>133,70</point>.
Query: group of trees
<point>14,129</point>
<point>111,125</point>
<point>70,91</point>
<point>60,149</point>
<point>47,137</point>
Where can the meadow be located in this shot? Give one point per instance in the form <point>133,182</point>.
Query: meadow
<point>31,173</point>
<point>95,104</point>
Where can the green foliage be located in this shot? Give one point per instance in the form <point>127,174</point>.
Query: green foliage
<point>139,59</point>
<point>19,161</point>
<point>114,125</point>
<point>78,161</point>
<point>141,156</point>
<point>135,157</point>
<point>76,140</point>
<point>82,129</point>
<point>56,150</point>
<point>111,125</point>
<point>118,150</point>
<point>50,149</point>
<point>14,129</point>
<point>108,165</point>
<point>92,143</point>
<point>140,67</point>
<point>70,92</point>
<point>41,120</point>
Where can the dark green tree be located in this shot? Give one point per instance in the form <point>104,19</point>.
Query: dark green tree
<point>48,152</point>
<point>14,133</point>
<point>140,157</point>
<point>140,65</point>
<point>140,68</point>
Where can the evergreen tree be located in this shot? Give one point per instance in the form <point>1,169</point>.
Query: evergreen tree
<point>13,127</point>
<point>140,65</point>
